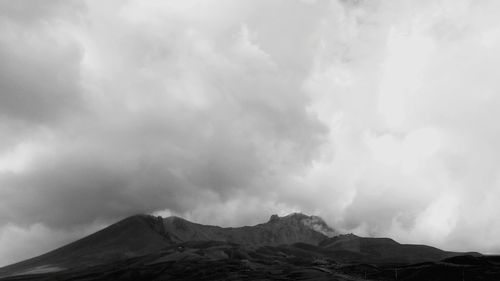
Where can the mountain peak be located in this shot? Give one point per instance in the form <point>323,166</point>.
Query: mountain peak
<point>147,237</point>
<point>274,218</point>
<point>315,223</point>
<point>291,216</point>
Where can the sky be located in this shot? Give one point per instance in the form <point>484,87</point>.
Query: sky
<point>379,116</point>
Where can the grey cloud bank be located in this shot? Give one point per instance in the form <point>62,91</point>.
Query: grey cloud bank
<point>376,115</point>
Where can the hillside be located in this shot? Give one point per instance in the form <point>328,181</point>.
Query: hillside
<point>349,248</point>
<point>289,229</point>
<point>144,234</point>
<point>292,247</point>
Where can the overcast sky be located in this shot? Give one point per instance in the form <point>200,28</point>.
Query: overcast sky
<point>379,116</point>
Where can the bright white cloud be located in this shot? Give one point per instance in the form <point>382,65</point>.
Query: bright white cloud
<point>407,55</point>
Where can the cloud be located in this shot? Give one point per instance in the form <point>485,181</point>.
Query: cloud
<point>376,115</point>
<point>185,112</point>
<point>39,65</point>
<point>38,11</point>
<point>16,241</point>
<point>419,133</point>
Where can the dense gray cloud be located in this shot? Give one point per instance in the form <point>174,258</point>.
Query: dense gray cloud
<point>376,115</point>
<point>39,77</point>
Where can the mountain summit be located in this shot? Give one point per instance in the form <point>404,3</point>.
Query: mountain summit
<point>289,229</point>
<point>145,247</point>
<point>145,234</point>
<point>312,222</point>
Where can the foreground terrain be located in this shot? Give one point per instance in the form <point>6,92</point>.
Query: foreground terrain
<point>294,247</point>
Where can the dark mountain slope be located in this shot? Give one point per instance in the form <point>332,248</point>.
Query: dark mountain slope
<point>290,229</point>
<point>209,260</point>
<point>143,234</point>
<point>293,247</point>
<point>350,247</point>
<point>133,236</point>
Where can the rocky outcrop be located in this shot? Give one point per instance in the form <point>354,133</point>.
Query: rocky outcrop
<point>290,229</point>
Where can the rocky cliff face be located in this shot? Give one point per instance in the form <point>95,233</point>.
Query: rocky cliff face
<point>289,229</point>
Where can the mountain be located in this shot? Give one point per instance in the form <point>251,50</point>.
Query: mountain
<point>349,248</point>
<point>293,247</point>
<point>133,236</point>
<point>144,234</point>
<point>278,230</point>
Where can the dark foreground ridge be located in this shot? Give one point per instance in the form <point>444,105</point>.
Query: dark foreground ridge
<point>293,247</point>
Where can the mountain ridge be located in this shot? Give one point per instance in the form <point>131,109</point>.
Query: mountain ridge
<point>295,237</point>
<point>143,234</point>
